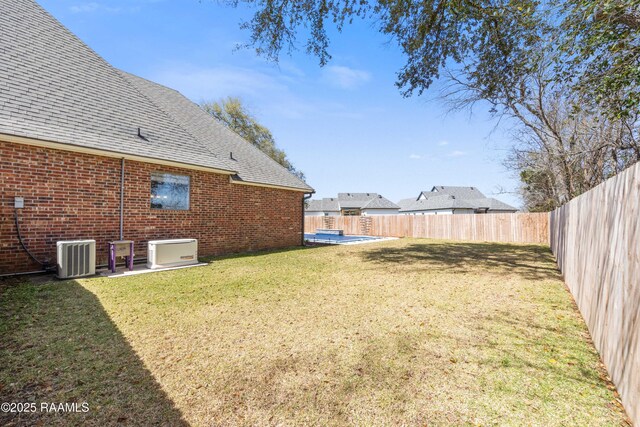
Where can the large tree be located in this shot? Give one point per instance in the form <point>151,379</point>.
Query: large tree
<point>600,46</point>
<point>567,72</point>
<point>560,152</point>
<point>233,114</point>
<point>597,41</point>
<point>430,32</point>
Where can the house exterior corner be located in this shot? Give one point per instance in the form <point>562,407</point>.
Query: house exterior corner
<point>69,196</point>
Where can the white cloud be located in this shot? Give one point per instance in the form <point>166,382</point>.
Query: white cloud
<point>345,77</point>
<point>291,69</point>
<point>217,82</point>
<point>91,7</point>
<point>269,89</point>
<point>443,143</point>
<point>457,153</point>
<point>84,7</point>
<point>415,156</point>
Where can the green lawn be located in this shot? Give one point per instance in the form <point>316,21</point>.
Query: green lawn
<point>405,332</point>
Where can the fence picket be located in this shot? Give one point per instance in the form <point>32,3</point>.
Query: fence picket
<point>504,227</point>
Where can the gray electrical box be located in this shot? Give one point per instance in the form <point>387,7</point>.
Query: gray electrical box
<point>19,202</point>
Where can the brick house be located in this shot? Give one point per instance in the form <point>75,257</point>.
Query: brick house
<point>96,153</point>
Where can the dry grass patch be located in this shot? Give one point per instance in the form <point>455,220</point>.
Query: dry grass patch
<point>406,332</point>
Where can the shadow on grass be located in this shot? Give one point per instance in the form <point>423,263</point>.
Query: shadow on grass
<point>522,337</point>
<point>59,346</point>
<point>528,261</point>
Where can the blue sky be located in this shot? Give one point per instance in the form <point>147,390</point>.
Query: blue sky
<point>345,125</point>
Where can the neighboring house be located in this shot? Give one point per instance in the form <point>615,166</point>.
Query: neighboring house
<point>350,204</point>
<point>452,200</point>
<point>322,207</point>
<point>77,135</point>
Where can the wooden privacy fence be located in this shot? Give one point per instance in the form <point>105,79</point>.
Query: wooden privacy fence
<point>507,227</point>
<point>596,240</point>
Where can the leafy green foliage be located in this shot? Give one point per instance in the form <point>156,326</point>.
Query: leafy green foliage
<point>492,35</point>
<point>489,41</point>
<point>601,41</point>
<point>567,72</point>
<point>236,117</point>
<point>597,43</point>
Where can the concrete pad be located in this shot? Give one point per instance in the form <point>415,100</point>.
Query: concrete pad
<point>142,269</point>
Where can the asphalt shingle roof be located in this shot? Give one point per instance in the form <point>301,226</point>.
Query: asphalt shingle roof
<point>438,200</point>
<point>380,203</point>
<point>323,205</point>
<point>495,205</point>
<point>351,201</point>
<point>355,200</point>
<point>444,201</point>
<point>53,87</point>
<point>457,192</point>
<point>405,203</point>
<point>248,161</point>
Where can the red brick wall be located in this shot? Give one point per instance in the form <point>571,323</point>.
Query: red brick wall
<point>72,196</point>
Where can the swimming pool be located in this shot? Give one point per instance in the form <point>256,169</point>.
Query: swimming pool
<point>338,240</point>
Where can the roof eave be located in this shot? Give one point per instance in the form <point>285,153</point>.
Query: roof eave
<point>65,146</point>
<point>234,179</point>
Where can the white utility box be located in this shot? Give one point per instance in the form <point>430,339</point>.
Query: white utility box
<point>172,253</point>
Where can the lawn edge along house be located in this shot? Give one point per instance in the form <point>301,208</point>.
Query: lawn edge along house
<point>91,152</point>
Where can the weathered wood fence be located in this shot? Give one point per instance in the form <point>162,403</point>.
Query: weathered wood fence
<point>596,240</point>
<point>508,227</point>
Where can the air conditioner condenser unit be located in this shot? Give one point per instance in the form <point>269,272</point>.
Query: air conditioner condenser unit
<point>172,253</point>
<point>76,258</point>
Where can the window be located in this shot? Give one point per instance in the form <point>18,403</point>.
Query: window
<point>169,191</point>
<point>351,212</point>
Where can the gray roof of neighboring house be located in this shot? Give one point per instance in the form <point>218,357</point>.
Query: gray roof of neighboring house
<point>447,197</point>
<point>496,205</point>
<point>356,196</point>
<point>351,200</point>
<point>365,201</point>
<point>380,203</point>
<point>457,192</point>
<point>355,200</point>
<point>405,203</point>
<point>323,205</point>
<point>53,87</point>
<point>444,201</point>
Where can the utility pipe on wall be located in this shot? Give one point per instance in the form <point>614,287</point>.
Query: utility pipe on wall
<point>306,197</point>
<point>122,199</point>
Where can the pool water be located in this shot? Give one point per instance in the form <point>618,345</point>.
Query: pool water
<point>335,239</point>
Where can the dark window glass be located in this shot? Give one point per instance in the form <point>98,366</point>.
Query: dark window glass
<point>169,191</point>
